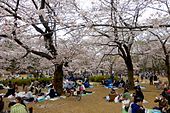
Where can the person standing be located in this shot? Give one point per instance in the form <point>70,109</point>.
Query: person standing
<point>151,79</point>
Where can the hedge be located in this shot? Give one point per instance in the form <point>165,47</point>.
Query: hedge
<point>20,82</point>
<point>99,78</point>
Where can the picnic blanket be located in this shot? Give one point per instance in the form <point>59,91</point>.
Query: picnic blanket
<point>123,111</point>
<point>146,111</point>
<point>111,87</point>
<point>87,94</point>
<point>152,111</point>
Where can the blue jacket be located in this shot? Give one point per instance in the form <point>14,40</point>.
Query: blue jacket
<point>135,108</point>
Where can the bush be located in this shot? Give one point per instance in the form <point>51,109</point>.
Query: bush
<point>20,82</point>
<point>99,78</point>
<point>116,77</point>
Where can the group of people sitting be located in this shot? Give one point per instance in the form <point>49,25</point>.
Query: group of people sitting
<point>15,106</point>
<point>133,103</point>
<point>33,92</point>
<point>78,85</point>
<point>125,96</point>
<point>111,83</point>
<point>30,93</point>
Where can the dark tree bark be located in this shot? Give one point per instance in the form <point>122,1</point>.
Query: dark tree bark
<point>111,69</point>
<point>166,60</point>
<point>58,79</point>
<point>129,65</point>
<point>167,67</point>
<point>125,54</point>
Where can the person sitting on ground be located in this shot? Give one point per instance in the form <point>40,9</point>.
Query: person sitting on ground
<point>121,83</point>
<point>38,91</point>
<point>11,90</point>
<point>125,95</point>
<point>36,83</point>
<point>16,87</point>
<point>138,93</point>
<point>103,81</point>
<point>24,86</point>
<point>137,82</point>
<point>51,92</point>
<point>166,93</point>
<point>112,95</point>
<point>10,104</point>
<point>86,83</point>
<point>28,96</point>
<point>127,85</point>
<point>70,84</point>
<point>163,104</point>
<point>1,104</point>
<point>108,82</point>
<point>125,99</point>
<point>81,87</point>
<point>136,106</point>
<point>18,107</point>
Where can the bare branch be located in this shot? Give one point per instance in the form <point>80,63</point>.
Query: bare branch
<point>42,54</point>
<point>166,40</point>
<point>38,29</point>
<point>130,27</point>
<point>42,4</point>
<point>156,36</point>
<point>9,11</point>
<point>103,34</point>
<point>35,4</point>
<point>16,8</point>
<point>25,54</point>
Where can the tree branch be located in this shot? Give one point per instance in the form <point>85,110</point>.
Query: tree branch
<point>38,29</point>
<point>41,54</point>
<point>16,8</point>
<point>35,4</point>
<point>130,27</point>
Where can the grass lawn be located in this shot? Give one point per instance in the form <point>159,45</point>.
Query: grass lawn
<point>94,103</point>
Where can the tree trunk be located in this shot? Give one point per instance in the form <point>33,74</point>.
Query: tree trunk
<point>111,69</point>
<point>129,66</point>
<point>167,68</point>
<point>58,79</point>
<point>128,61</point>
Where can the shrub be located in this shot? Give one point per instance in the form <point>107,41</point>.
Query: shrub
<point>99,78</point>
<point>116,77</point>
<point>20,82</point>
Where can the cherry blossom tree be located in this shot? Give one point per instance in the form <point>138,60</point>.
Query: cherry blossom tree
<point>34,26</point>
<point>113,24</point>
<point>117,24</point>
<point>161,36</point>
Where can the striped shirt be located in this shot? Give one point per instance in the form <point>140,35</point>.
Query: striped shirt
<point>18,108</point>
